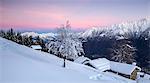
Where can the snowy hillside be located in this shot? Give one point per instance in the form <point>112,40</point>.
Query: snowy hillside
<point>137,27</point>
<point>42,35</point>
<point>20,64</point>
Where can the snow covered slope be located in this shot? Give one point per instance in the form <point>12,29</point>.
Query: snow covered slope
<point>20,64</point>
<point>137,27</point>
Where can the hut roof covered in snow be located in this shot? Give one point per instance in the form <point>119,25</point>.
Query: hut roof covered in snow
<point>82,60</point>
<point>36,47</point>
<point>123,67</point>
<point>101,64</point>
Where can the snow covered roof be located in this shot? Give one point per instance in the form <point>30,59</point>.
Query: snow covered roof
<point>36,47</point>
<point>123,67</point>
<point>101,64</point>
<point>81,60</point>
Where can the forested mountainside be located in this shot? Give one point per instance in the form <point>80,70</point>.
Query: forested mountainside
<point>126,42</point>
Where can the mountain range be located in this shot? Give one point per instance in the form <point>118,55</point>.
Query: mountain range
<point>122,30</point>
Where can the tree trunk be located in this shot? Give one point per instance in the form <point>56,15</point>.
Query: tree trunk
<point>64,62</point>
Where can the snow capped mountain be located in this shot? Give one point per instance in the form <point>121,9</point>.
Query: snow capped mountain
<point>137,27</point>
<point>33,34</point>
<point>42,35</point>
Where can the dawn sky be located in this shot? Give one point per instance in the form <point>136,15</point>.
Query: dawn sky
<point>82,14</point>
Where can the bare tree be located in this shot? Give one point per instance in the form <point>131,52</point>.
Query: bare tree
<point>123,52</point>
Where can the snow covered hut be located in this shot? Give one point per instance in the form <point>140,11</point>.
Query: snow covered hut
<point>102,64</point>
<point>82,60</point>
<point>123,69</point>
<point>36,47</point>
<point>127,70</point>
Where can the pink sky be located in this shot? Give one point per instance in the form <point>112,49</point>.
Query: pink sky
<point>52,18</point>
<point>81,14</point>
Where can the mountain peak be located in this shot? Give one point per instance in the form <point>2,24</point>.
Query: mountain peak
<point>119,29</point>
<point>34,34</point>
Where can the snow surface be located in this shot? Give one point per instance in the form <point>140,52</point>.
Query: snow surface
<point>146,76</point>
<point>143,80</point>
<point>20,64</point>
<point>23,64</point>
<point>111,76</point>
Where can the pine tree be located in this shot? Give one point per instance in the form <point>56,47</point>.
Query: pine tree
<point>12,35</point>
<point>38,40</point>
<point>30,42</point>
<point>2,33</point>
<point>19,38</point>
<point>43,46</point>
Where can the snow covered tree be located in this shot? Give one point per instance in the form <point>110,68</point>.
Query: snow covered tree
<point>53,47</point>
<point>63,35</point>
<point>38,40</point>
<point>2,33</point>
<point>123,52</point>
<point>10,34</point>
<point>66,44</point>
<point>19,38</point>
<point>27,41</point>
